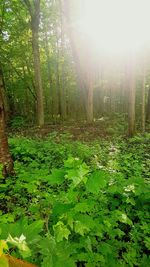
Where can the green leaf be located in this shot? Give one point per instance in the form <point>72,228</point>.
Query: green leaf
<point>72,163</point>
<point>61,231</point>
<point>48,261</point>
<point>48,245</point>
<point>60,208</point>
<point>105,248</point>
<point>32,231</point>
<point>21,244</point>
<point>147,242</point>
<point>96,181</point>
<point>122,217</point>
<point>65,262</point>
<point>80,228</point>
<point>78,174</point>
<point>57,177</point>
<point>55,254</point>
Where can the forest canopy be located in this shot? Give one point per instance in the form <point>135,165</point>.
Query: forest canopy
<point>75,60</point>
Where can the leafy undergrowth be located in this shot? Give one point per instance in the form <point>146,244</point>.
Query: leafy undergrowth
<point>77,204</point>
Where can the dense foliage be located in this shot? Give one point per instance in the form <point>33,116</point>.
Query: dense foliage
<point>63,49</point>
<point>65,202</point>
<point>77,204</point>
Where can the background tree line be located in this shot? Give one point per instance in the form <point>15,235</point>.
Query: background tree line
<point>51,74</point>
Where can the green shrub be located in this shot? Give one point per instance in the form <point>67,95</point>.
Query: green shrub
<point>79,204</point>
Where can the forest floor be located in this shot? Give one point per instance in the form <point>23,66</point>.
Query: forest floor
<point>104,128</point>
<point>75,131</point>
<point>80,196</point>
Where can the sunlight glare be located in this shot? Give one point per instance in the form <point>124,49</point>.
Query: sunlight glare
<point>116,26</point>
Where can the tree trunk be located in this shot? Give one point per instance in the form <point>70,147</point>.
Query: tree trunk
<point>76,51</point>
<point>84,69</point>
<point>148,107</point>
<point>49,72</point>
<point>143,103</point>
<point>34,10</point>
<point>58,88</point>
<point>90,100</point>
<point>131,97</point>
<point>38,80</point>
<point>5,157</point>
<point>5,101</point>
<point>63,94</point>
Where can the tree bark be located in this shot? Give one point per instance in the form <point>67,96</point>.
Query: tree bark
<point>5,100</point>
<point>49,73</point>
<point>63,93</point>
<point>148,107</point>
<point>5,157</point>
<point>34,10</point>
<point>143,103</point>
<point>80,50</point>
<point>89,98</point>
<point>131,97</point>
<point>77,54</point>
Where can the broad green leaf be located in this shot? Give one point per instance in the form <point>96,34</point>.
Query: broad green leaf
<point>147,242</point>
<point>78,175</point>
<point>105,248</point>
<point>55,261</point>
<point>72,163</point>
<point>60,208</point>
<point>86,220</point>
<point>80,228</point>
<point>61,231</point>
<point>122,217</point>
<point>47,261</point>
<point>96,181</point>
<point>56,177</point>
<point>65,262</point>
<point>33,230</point>
<point>85,206</point>
<point>47,245</point>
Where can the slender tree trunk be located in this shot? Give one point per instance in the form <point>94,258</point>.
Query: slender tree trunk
<point>34,11</point>
<point>38,80</point>
<point>90,99</point>
<point>63,89</point>
<point>131,97</point>
<point>148,107</point>
<point>77,54</point>
<point>58,88</point>
<point>84,69</point>
<point>5,100</point>
<point>143,103</point>
<point>5,157</point>
<point>49,71</point>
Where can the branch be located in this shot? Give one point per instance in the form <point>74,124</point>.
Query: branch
<point>28,5</point>
<point>18,74</point>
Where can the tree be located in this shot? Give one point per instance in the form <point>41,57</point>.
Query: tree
<point>77,51</point>
<point>143,100</point>
<point>80,51</point>
<point>34,11</point>
<point>89,108</point>
<point>131,95</point>
<point>148,107</point>
<point>5,157</point>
